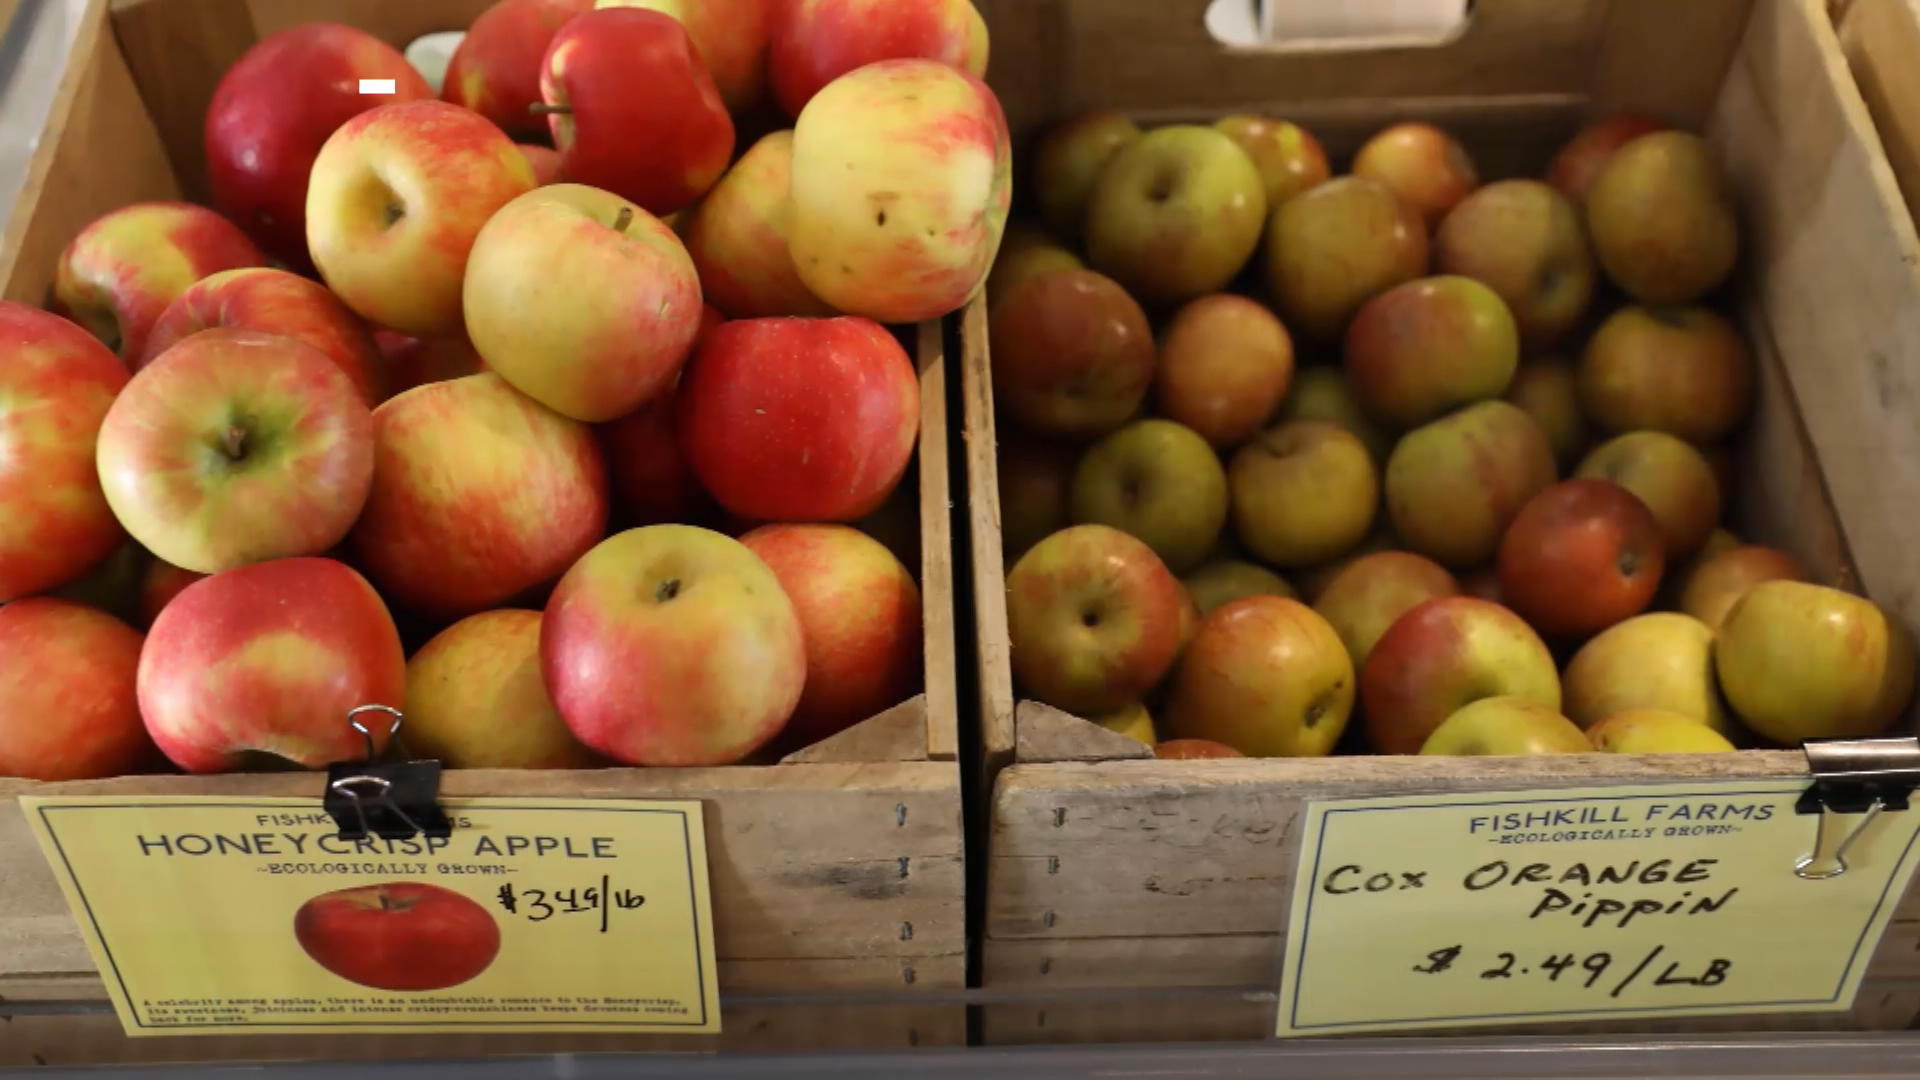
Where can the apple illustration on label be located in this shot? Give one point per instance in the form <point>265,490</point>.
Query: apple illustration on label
<point>401,935</point>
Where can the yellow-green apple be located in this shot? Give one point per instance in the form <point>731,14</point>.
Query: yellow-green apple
<point>1422,165</point>
<point>1443,655</point>
<point>397,195</point>
<point>816,42</point>
<point>274,302</point>
<point>1133,721</point>
<point>1025,254</point>
<point>159,584</point>
<point>1094,619</point>
<point>1159,482</point>
<point>1453,486</point>
<point>495,70</point>
<point>235,447</point>
<point>1716,582</point>
<point>1225,365</point>
<point>68,710</point>
<point>275,106</point>
<point>1681,370</point>
<point>1036,487</point>
<point>1321,392</point>
<point>673,645</point>
<point>1175,214</point>
<point>732,37</point>
<point>1266,676</point>
<point>1303,492</point>
<point>1425,348</point>
<point>799,419</point>
<point>583,301</point>
<point>1547,389</point>
<point>1222,581</point>
<point>56,386</point>
<point>737,237</point>
<point>1662,218</point>
<point>1799,661</point>
<point>1289,158</point>
<point>1581,159</point>
<point>618,78</point>
<point>412,361</point>
<point>545,162</point>
<point>859,613</point>
<point>121,271</point>
<point>1660,660</point>
<point>265,662</point>
<point>1655,731</point>
<point>652,483</point>
<point>1193,750</point>
<point>1067,161</point>
<point>479,494</point>
<point>1671,476</point>
<point>1072,353</point>
<point>476,698</point>
<point>1525,241</point>
<point>902,173</point>
<point>1581,556</point>
<point>1334,247</point>
<point>1371,593</point>
<point>1505,726</point>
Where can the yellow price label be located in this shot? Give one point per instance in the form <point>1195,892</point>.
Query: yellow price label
<point>1435,911</point>
<point>251,916</point>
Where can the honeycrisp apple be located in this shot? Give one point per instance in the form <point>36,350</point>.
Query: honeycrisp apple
<point>732,37</point>
<point>818,41</point>
<point>1303,492</point>
<point>651,480</point>
<point>1425,348</point>
<point>1334,247</point>
<point>1420,164</point>
<point>68,709</point>
<point>1800,661</point>
<point>274,302</point>
<point>737,237</point>
<point>1175,214</point>
<point>1072,354</point>
<point>476,698</point>
<point>495,71</point>
<point>397,196</point>
<point>1289,158</point>
<point>398,935</point>
<point>1445,654</point>
<point>1157,481</point>
<point>160,583</point>
<point>1526,242</point>
<point>1660,660</point>
<point>1506,726</point>
<point>1225,365</point>
<point>1068,160</point>
<point>545,161</point>
<point>1266,676</point>
<point>1370,594</point>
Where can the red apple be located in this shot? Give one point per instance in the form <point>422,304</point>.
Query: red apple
<point>1581,556</point>
<point>732,37</point>
<point>495,71</point>
<point>545,161</point>
<point>268,660</point>
<point>412,361</point>
<point>737,237</point>
<point>1267,676</point>
<point>476,698</point>
<point>1443,655</point>
<point>817,41</point>
<point>274,302</point>
<point>160,583</point>
<point>1421,164</point>
<point>652,482</point>
<point>68,710</point>
<point>1370,594</point>
<point>400,935</point>
<point>1073,354</point>
<point>1577,163</point>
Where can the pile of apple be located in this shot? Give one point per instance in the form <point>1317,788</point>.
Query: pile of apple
<point>590,418</point>
<point>1482,515</point>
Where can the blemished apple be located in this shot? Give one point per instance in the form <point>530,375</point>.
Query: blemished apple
<point>673,645</point>
<point>617,301</point>
<point>396,197</point>
<point>1332,248</point>
<point>1662,219</point>
<point>1289,158</point>
<point>1425,348</point>
<point>1072,353</point>
<point>1422,165</point>
<point>1672,477</point>
<point>799,419</point>
<point>1526,242</point>
<point>1505,726</point>
<point>398,935</point>
<point>1453,486</point>
<point>1036,489</point>
<point>732,37</point>
<point>1220,582</point>
<point>1443,655</point>
<point>1193,750</point>
<point>476,698</point>
<point>479,494</point>
<point>859,613</point>
<point>1322,392</point>
<point>1574,167</point>
<point>120,272</point>
<point>1175,214</point>
<point>1094,618</point>
<point>56,386</point>
<point>274,107</point>
<point>1068,160</point>
<point>1266,676</point>
<point>652,483</point>
<point>160,582</point>
<point>616,78</point>
<point>1133,721</point>
<point>1717,581</point>
<point>1655,731</point>
<point>1303,492</point>
<point>1547,389</point>
<point>1581,556</point>
<point>902,177</point>
<point>1681,370</point>
<point>495,70</point>
<point>816,42</point>
<point>68,709</point>
<point>1371,593</point>
<point>737,238</point>
<point>1799,661</point>
<point>1225,366</point>
<point>274,302</point>
<point>235,447</point>
<point>545,162</point>
<point>1660,660</point>
<point>1025,255</point>
<point>268,660</point>
<point>1158,481</point>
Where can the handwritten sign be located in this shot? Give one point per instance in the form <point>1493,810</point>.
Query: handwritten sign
<point>1604,903</point>
<point>252,916</point>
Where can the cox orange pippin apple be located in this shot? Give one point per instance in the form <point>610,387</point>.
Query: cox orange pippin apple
<point>1266,676</point>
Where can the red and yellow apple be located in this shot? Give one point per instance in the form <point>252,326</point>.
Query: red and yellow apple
<point>651,480</point>
<point>1159,482</point>
<point>1332,248</point>
<point>495,70</point>
<point>1425,348</point>
<point>1681,370</point>
<point>1672,477</point>
<point>1322,392</point>
<point>1025,253</point>
<point>1266,676</point>
<point>1440,657</point>
<point>1660,660</point>
<point>1304,492</point>
<point>1526,242</point>
<point>1799,661</point>
<point>737,237</point>
<point>274,302</point>
<point>1370,594</point>
<point>1222,581</point>
<point>545,162</point>
<point>1453,486</point>
<point>1289,158</point>
<point>1574,167</point>
<point>732,37</point>
<point>1505,727</point>
<point>1133,721</point>
<point>1072,353</point>
<point>412,361</point>
<point>68,708</point>
<point>1422,165</point>
<point>400,935</point>
<point>1581,556</point>
<point>1175,214</point>
<point>1225,365</point>
<point>1718,580</point>
<point>816,42</point>
<point>476,698</point>
<point>1662,218</point>
<point>160,582</point>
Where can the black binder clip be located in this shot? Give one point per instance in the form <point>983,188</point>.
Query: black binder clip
<point>393,800</point>
<point>1854,776</point>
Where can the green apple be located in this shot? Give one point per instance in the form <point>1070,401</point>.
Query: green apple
<point>1158,481</point>
<point>1662,218</point>
<point>1133,721</point>
<point>1175,214</point>
<point>1506,726</point>
<point>1334,247</point>
<point>1671,476</point>
<point>1661,660</point>
<point>1068,161</point>
<point>1547,389</point>
<point>1800,661</point>
<point>1454,485</point>
<point>1303,493</point>
<point>1321,392</point>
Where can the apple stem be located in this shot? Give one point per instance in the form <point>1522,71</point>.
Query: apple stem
<point>541,108</point>
<point>235,444</point>
<point>624,219</point>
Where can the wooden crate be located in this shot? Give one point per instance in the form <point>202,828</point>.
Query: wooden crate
<point>1162,884</point>
<point>837,874</point>
<point>1881,39</point>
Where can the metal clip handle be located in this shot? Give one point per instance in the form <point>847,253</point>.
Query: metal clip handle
<point>1854,776</point>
